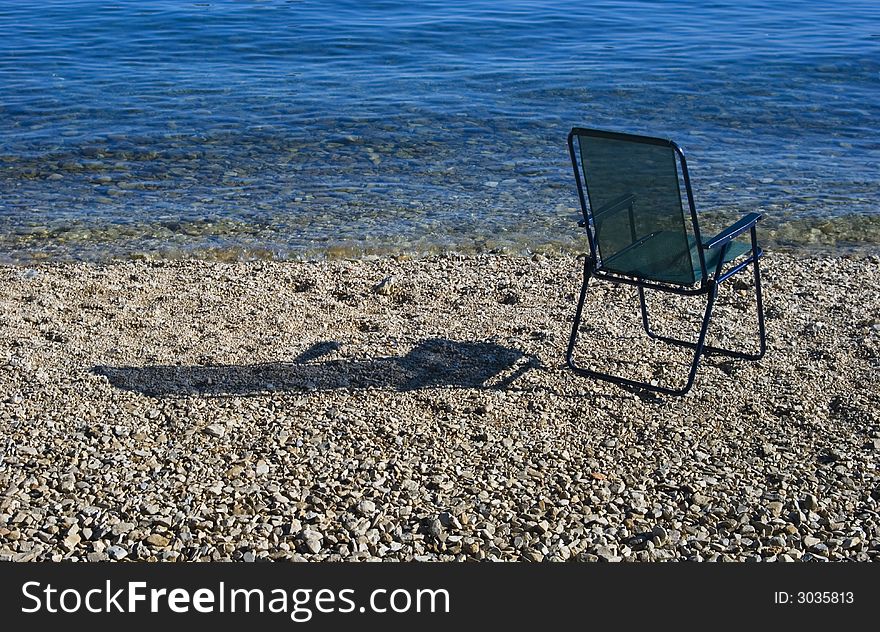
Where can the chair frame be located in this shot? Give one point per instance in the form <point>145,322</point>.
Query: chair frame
<point>708,283</point>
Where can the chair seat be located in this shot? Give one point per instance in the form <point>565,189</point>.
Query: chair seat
<point>661,258</point>
<point>736,249</point>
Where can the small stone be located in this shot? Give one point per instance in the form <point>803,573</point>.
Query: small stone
<point>311,541</point>
<point>701,499</point>
<point>215,430</point>
<point>435,528</point>
<point>262,468</point>
<point>386,287</point>
<point>157,540</point>
<point>116,552</point>
<point>810,503</point>
<point>660,534</point>
<point>811,541</point>
<point>606,554</point>
<point>72,540</point>
<point>534,556</point>
<point>67,484</point>
<point>775,508</point>
<point>122,528</point>
<point>366,507</point>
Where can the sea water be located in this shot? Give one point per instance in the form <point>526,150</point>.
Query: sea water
<point>305,129</point>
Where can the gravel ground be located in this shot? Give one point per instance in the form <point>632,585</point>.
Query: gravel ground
<point>419,409</point>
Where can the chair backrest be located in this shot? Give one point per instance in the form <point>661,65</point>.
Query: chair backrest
<point>635,218</point>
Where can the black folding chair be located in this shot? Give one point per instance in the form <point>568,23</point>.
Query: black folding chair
<point>639,235</point>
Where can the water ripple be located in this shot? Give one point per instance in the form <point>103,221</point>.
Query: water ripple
<point>291,128</point>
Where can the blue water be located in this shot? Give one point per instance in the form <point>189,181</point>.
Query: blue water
<point>301,128</point>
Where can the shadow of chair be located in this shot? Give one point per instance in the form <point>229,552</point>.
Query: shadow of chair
<point>431,363</point>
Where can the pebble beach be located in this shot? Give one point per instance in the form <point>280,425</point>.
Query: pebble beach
<point>419,409</point>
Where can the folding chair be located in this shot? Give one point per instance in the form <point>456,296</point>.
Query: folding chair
<point>639,235</point>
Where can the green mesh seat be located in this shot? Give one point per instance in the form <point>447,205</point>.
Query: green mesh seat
<point>657,258</point>
<point>639,234</point>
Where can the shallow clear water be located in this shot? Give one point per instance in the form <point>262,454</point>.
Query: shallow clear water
<point>298,129</point>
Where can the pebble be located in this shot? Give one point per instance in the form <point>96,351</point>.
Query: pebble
<point>312,541</point>
<point>436,430</point>
<point>810,503</point>
<point>215,430</point>
<point>366,507</point>
<point>702,500</point>
<point>157,540</point>
<point>660,533</point>
<point>386,287</point>
<point>533,556</point>
<point>116,552</point>
<point>71,541</point>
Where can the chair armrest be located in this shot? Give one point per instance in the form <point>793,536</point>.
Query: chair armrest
<point>732,232</point>
<point>624,201</point>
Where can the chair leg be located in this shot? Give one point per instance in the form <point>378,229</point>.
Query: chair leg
<point>762,335</point>
<point>588,265</point>
<point>698,346</point>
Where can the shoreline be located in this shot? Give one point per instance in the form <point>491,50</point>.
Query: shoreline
<point>418,408</point>
<point>232,240</point>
